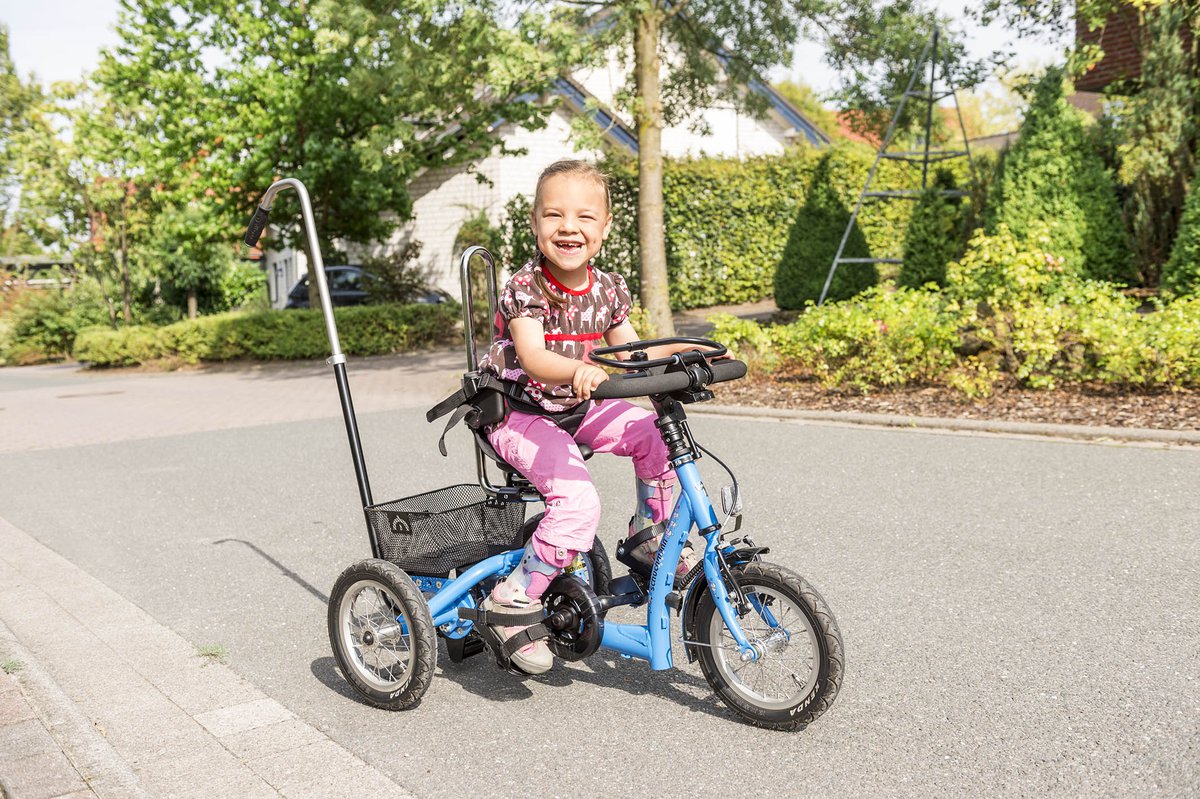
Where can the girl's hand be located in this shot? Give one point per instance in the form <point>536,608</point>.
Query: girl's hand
<point>586,378</point>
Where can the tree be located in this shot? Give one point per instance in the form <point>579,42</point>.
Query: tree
<point>680,48</point>
<point>813,242</point>
<point>83,188</point>
<point>1053,174</point>
<point>353,98</point>
<point>934,236</point>
<point>17,100</point>
<point>876,48</point>
<point>1158,134</point>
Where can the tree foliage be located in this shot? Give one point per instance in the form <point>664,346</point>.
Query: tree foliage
<point>1158,133</point>
<point>1181,274</point>
<point>935,234</point>
<point>352,98</point>
<point>812,244</point>
<point>1053,174</point>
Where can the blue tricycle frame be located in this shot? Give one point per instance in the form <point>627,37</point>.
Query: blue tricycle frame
<point>379,612</point>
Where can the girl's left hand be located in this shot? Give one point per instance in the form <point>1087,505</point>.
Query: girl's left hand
<point>586,378</point>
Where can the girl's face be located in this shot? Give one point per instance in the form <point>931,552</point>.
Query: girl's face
<point>570,220</point>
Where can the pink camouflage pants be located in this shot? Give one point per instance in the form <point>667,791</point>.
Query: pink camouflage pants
<point>548,456</point>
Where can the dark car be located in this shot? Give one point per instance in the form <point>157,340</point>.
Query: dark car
<point>347,286</point>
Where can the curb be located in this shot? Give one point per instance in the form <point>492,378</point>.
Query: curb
<point>1077,432</point>
<point>146,717</point>
<point>79,740</point>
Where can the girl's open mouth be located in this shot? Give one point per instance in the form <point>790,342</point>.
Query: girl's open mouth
<point>568,247</point>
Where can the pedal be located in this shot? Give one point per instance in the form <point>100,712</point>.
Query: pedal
<point>460,649</point>
<point>627,590</point>
<point>630,583</point>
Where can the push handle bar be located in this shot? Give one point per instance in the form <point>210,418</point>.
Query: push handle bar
<point>644,384</point>
<point>715,351</point>
<point>258,223</point>
<point>254,231</point>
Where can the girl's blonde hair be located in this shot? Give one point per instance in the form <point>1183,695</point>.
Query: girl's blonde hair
<point>576,168</point>
<point>571,166</point>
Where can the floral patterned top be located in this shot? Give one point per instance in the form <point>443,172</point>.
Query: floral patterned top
<point>573,332</point>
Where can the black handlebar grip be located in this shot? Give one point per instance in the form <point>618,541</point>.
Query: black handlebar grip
<point>257,223</point>
<point>641,384</point>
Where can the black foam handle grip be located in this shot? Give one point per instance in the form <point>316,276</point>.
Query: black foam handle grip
<point>642,384</point>
<point>257,223</point>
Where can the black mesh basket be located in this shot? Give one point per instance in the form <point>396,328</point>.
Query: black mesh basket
<point>446,529</point>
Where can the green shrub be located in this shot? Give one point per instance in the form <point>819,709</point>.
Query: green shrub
<point>879,338</point>
<point>1011,311</point>
<point>1181,274</point>
<point>1053,175</point>
<point>42,323</point>
<point>812,244</point>
<point>270,335</point>
<point>935,234</point>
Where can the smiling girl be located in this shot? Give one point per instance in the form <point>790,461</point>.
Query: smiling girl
<point>552,313</point>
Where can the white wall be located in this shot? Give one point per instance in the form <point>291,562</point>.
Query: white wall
<point>283,269</point>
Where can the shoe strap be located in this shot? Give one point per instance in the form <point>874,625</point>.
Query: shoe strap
<point>524,638</point>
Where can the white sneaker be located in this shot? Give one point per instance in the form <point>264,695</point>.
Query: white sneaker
<point>533,658</point>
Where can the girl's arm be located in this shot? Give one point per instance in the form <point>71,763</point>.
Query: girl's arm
<point>529,339</point>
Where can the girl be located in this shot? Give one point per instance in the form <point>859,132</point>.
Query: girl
<point>552,313</point>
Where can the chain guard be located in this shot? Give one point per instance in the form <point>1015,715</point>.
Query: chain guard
<point>577,602</point>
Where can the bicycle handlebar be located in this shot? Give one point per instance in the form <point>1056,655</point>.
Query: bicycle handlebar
<point>715,350</point>
<point>643,384</point>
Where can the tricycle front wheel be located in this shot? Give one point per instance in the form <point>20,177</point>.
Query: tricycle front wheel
<point>382,634</point>
<point>799,668</point>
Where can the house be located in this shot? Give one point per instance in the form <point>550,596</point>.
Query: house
<point>444,198</point>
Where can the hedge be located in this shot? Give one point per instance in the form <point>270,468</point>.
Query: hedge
<point>272,335</point>
<point>1012,311</point>
<point>728,221</point>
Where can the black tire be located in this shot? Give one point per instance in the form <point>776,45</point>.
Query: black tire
<point>376,615</point>
<point>801,612</point>
<point>599,566</point>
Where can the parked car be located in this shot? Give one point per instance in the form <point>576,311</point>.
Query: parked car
<point>347,286</point>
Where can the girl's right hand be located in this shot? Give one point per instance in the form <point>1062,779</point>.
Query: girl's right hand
<point>586,378</point>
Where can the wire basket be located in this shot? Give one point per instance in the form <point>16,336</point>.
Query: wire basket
<point>446,529</point>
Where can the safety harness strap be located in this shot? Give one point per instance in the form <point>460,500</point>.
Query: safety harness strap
<point>503,618</point>
<point>465,404</point>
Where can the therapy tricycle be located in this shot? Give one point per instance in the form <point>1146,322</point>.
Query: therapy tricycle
<point>766,641</point>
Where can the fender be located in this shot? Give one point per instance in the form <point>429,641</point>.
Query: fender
<point>699,587</point>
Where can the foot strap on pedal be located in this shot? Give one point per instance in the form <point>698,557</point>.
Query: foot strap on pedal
<point>626,548</point>
<point>504,650</point>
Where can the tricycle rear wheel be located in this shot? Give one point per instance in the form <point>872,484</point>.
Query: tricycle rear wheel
<point>799,670</point>
<point>382,634</point>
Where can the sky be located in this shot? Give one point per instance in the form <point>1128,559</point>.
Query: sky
<point>61,40</point>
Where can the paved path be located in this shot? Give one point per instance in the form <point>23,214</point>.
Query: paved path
<point>1018,613</point>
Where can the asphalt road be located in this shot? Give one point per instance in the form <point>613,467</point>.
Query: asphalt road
<point>1019,615</point>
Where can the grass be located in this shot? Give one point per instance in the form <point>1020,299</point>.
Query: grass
<point>11,666</point>
<point>212,653</point>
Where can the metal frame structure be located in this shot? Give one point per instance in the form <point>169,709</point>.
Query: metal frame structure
<point>925,157</point>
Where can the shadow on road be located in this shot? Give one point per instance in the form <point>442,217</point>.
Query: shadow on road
<point>478,675</point>
<point>284,570</point>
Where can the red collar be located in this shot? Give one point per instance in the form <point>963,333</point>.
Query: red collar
<point>577,293</point>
